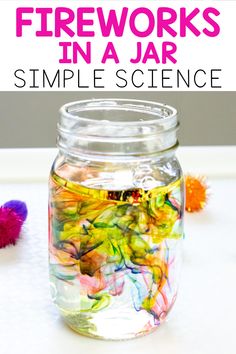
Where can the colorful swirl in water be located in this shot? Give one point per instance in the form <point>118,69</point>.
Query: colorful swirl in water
<point>103,241</point>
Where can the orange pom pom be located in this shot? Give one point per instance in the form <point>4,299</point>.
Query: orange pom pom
<point>195,193</point>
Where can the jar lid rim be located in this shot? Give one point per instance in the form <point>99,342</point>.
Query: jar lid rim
<point>160,112</point>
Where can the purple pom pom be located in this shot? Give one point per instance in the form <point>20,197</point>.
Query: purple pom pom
<point>12,217</point>
<point>18,207</point>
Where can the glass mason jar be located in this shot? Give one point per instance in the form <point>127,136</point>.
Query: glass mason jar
<point>115,216</point>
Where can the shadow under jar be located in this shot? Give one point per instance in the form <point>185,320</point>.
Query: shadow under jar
<point>115,216</point>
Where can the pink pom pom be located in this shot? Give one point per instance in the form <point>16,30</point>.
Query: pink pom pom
<point>10,226</point>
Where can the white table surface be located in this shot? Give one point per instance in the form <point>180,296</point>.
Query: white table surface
<point>203,318</point>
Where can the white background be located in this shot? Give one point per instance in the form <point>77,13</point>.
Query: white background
<point>43,53</point>
<point>203,318</point>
